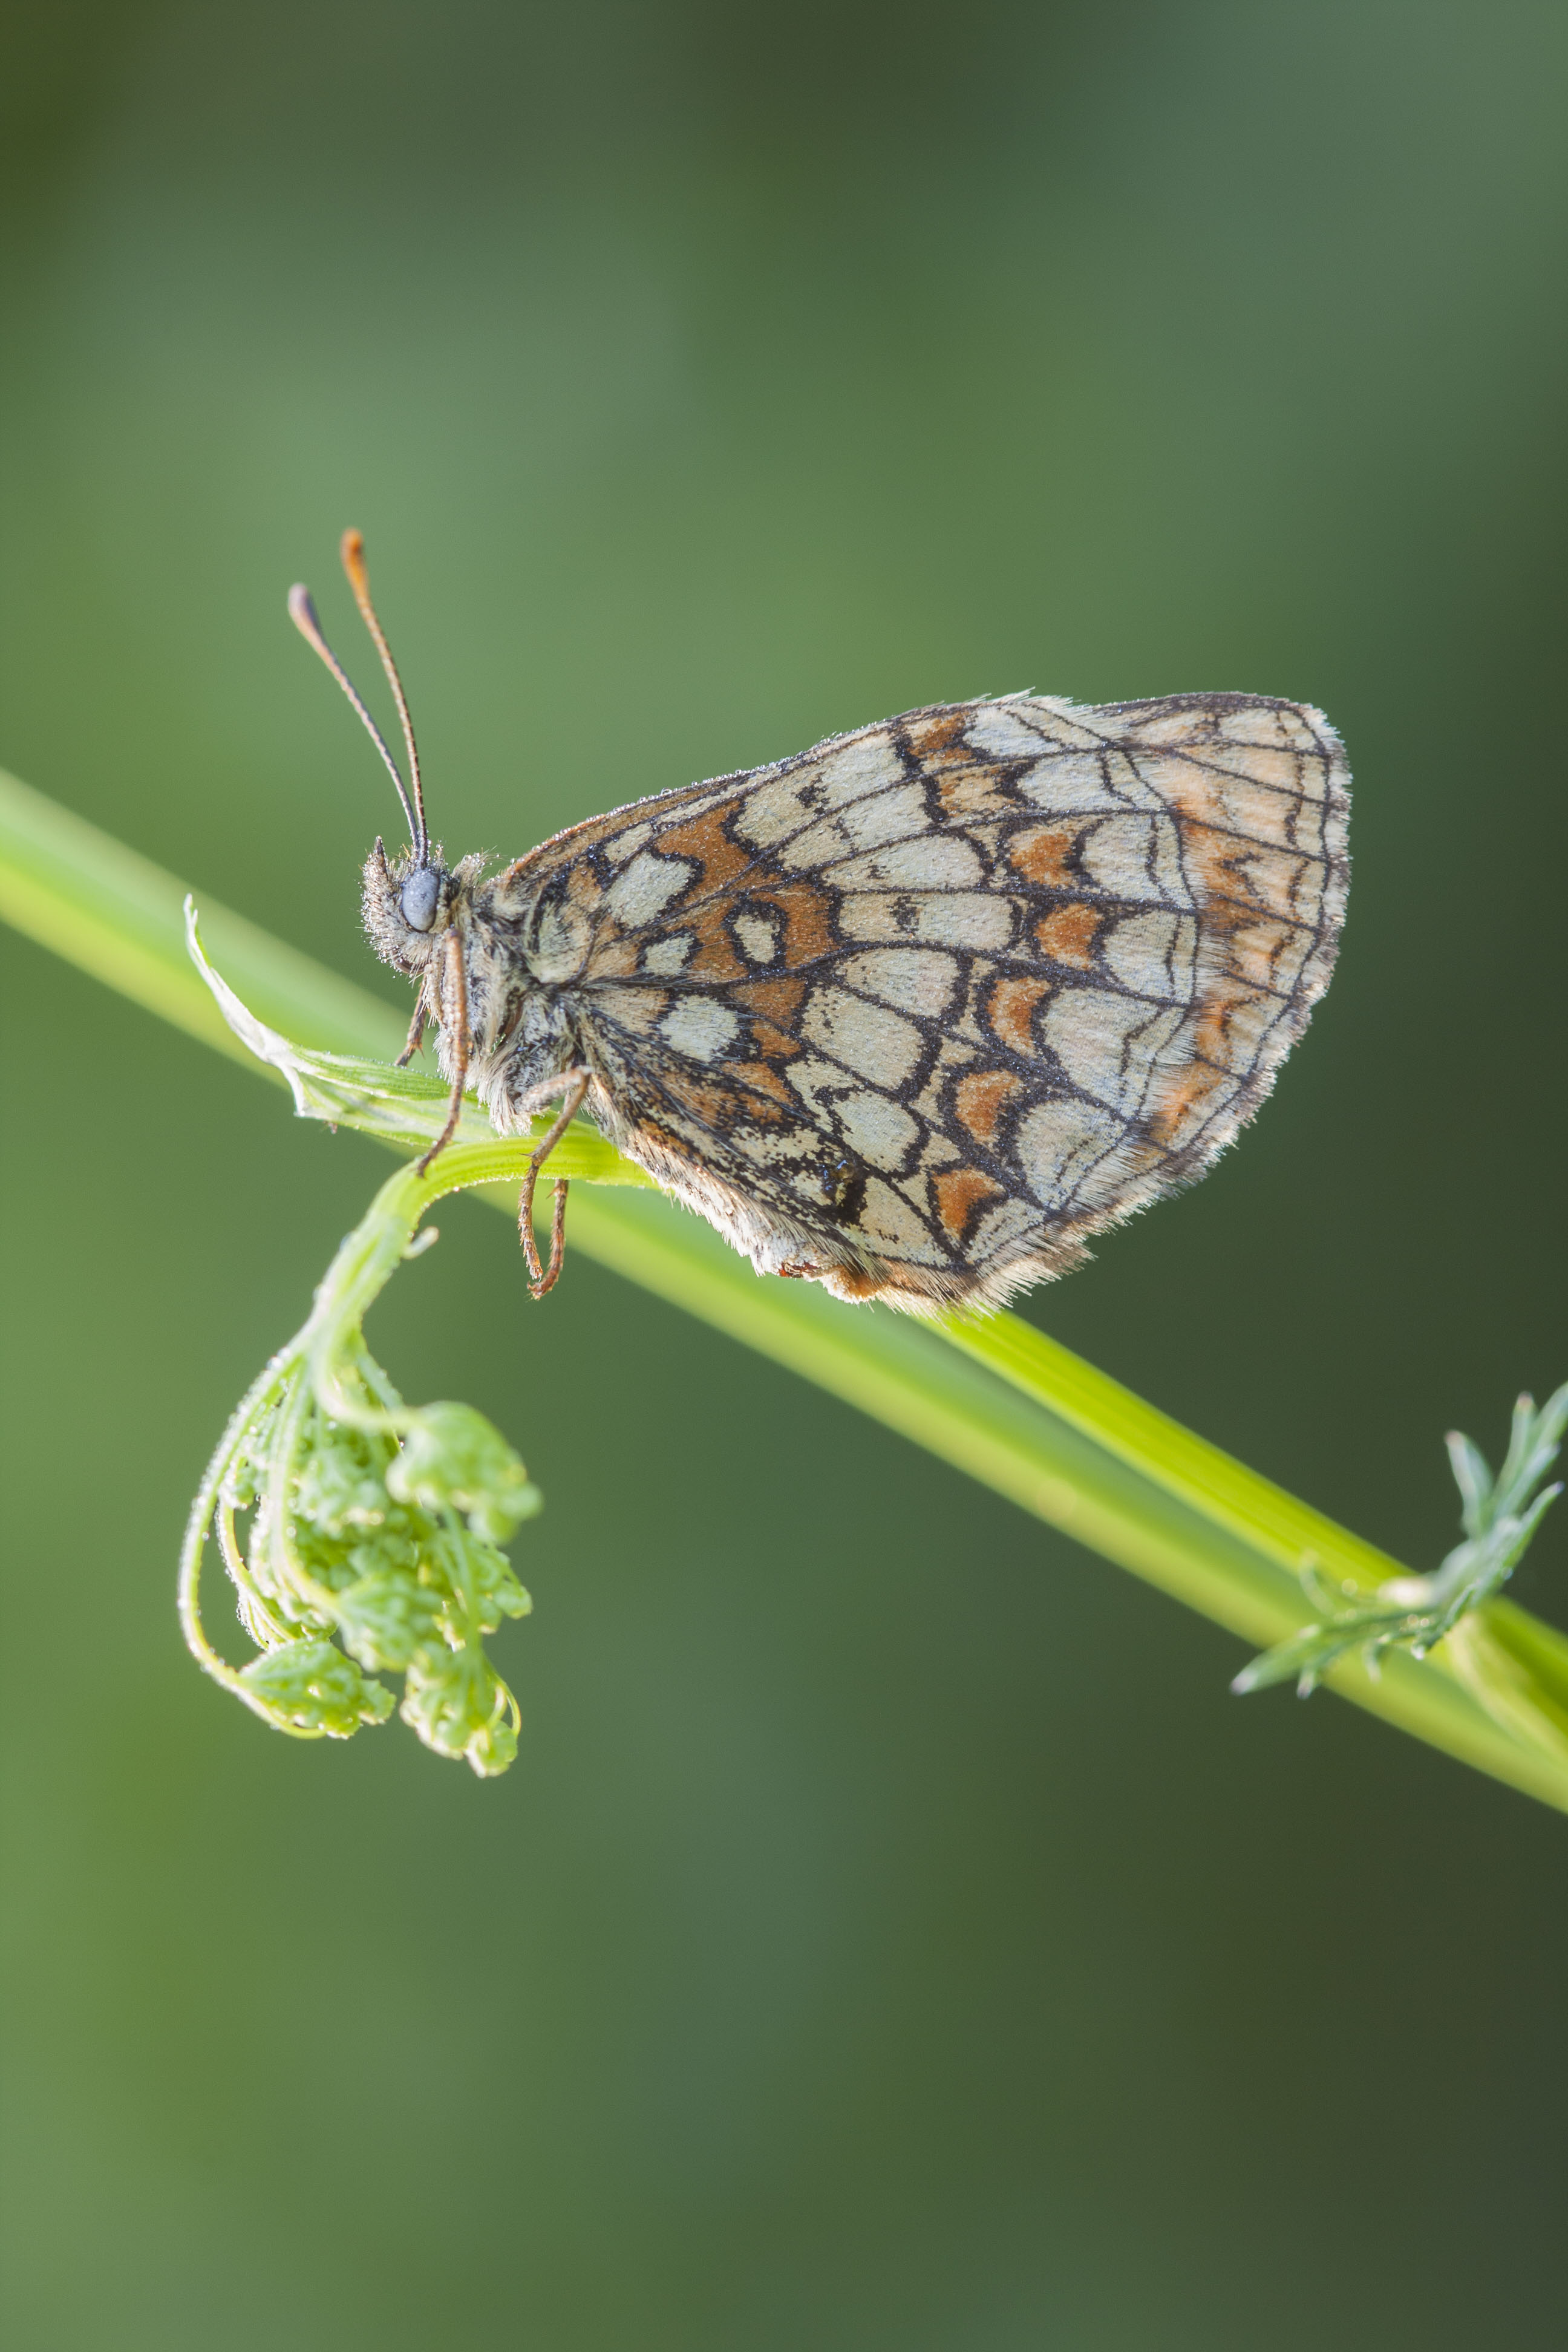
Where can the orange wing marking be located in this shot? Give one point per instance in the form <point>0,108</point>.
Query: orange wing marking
<point>1068,936</point>
<point>959,1192</point>
<point>714,957</point>
<point>765,1081</point>
<point>773,1041</point>
<point>778,999</point>
<point>981,1099</point>
<point>704,840</point>
<point>1013,1002</point>
<point>1040,854</point>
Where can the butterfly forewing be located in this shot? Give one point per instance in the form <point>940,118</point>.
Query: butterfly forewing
<point>914,1012</point>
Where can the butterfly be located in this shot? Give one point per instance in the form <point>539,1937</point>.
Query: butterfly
<point>914,1012</point>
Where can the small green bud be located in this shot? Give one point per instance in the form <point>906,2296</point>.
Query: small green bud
<point>386,1617</point>
<point>313,1688</point>
<point>247,1473</point>
<point>480,1581</point>
<point>453,1458</point>
<point>493,1748</point>
<point>458,1705</point>
<point>340,1491</point>
<point>242,1483</point>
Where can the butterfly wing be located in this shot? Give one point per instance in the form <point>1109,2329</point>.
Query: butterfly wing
<point>916,1011</point>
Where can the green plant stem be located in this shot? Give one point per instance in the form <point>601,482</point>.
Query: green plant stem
<point>997,1400</point>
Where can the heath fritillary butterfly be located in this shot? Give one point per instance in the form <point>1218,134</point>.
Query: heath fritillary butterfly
<point>914,1012</point>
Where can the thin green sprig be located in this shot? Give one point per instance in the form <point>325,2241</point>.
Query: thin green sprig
<point>1499,1516</point>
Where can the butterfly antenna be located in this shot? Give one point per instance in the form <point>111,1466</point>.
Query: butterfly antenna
<point>303,613</point>
<point>352,549</point>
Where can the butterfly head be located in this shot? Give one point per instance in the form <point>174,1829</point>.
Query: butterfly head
<point>410,903</point>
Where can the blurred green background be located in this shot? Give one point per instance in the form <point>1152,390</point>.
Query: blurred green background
<point>892,1935</point>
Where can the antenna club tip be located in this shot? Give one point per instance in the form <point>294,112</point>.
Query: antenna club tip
<point>351,549</point>
<point>303,610</point>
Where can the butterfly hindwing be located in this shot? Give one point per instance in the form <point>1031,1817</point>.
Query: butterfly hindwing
<point>917,1011</point>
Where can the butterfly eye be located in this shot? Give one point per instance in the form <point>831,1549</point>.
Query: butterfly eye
<point>419,897</point>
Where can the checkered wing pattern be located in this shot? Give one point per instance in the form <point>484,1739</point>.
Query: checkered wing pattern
<point>914,1012</point>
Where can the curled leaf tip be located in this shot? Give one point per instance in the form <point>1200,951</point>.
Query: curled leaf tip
<point>363,1536</point>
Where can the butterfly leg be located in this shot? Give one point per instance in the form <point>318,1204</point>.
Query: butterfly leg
<point>416,1035</point>
<point>557,1242</point>
<point>452,971</point>
<point>542,1278</point>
